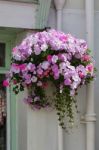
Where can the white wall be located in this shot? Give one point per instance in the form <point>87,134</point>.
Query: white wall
<point>21,110</point>
<point>96,50</point>
<point>18,15</point>
<point>21,120</point>
<point>74,23</point>
<point>51,22</point>
<point>41,128</point>
<point>79,4</point>
<point>38,130</point>
<point>71,4</point>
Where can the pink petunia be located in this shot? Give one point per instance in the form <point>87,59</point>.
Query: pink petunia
<point>49,57</point>
<point>90,68</point>
<point>86,58</point>
<point>15,68</point>
<point>22,67</point>
<point>14,81</point>
<point>54,59</point>
<point>67,82</point>
<point>45,65</point>
<point>39,71</point>
<point>81,75</point>
<point>6,83</point>
<point>14,49</point>
<point>31,67</point>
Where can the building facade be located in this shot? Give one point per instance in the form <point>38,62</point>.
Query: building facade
<point>20,127</point>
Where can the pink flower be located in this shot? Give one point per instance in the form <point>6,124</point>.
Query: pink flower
<point>27,78</point>
<point>64,38</point>
<point>37,49</point>
<point>54,59</point>
<point>62,66</point>
<point>67,82</point>
<point>14,49</point>
<point>62,57</point>
<point>31,67</point>
<point>49,57</point>
<point>81,75</point>
<point>56,76</point>
<point>5,83</point>
<point>45,65</point>
<point>86,58</point>
<point>46,73</point>
<point>14,82</point>
<point>39,83</point>
<point>22,67</point>
<point>55,68</point>
<point>15,68</point>
<point>39,71</point>
<point>44,47</point>
<point>81,70</point>
<point>34,79</point>
<point>90,68</point>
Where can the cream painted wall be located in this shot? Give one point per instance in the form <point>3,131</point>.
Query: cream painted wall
<point>31,134</point>
<point>79,4</point>
<point>21,120</point>
<point>21,110</point>
<point>74,4</point>
<point>51,22</point>
<point>38,130</point>
<point>42,130</point>
<point>27,1</point>
<point>18,15</point>
<point>97,5</point>
<point>74,23</point>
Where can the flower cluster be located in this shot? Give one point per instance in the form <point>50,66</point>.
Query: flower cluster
<point>51,56</point>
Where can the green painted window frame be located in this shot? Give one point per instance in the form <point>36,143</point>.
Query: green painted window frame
<point>8,40</point>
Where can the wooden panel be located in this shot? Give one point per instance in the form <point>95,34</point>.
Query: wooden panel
<point>26,1</point>
<point>15,14</point>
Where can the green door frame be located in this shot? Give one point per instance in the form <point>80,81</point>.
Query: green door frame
<point>9,41</point>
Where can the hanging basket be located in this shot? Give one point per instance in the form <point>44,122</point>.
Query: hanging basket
<point>56,58</point>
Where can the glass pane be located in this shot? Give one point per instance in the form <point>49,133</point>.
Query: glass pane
<point>2,114</point>
<point>2,54</point>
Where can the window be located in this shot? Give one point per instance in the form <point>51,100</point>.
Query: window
<point>4,116</point>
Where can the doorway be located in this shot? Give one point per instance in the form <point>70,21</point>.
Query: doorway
<point>4,98</point>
